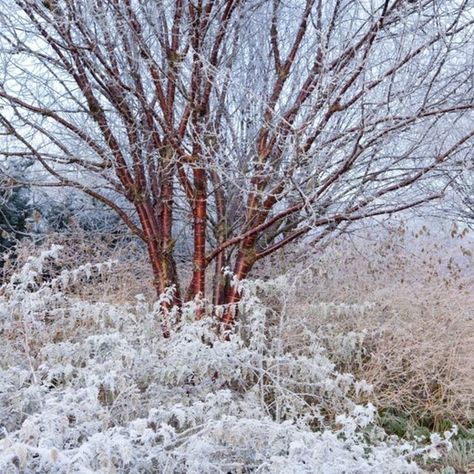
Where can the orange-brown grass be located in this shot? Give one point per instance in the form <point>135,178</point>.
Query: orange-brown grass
<point>395,307</point>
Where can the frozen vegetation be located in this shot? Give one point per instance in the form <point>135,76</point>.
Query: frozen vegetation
<point>94,387</point>
<point>274,140</point>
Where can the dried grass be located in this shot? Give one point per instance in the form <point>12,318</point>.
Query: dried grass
<point>132,275</point>
<point>395,307</point>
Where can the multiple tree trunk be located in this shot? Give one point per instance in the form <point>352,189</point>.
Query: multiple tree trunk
<point>246,125</point>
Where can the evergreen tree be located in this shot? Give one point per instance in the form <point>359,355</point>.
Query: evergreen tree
<point>15,207</point>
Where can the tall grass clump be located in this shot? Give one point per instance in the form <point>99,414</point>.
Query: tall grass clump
<point>394,306</point>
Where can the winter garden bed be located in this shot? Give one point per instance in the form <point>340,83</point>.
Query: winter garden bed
<point>94,387</point>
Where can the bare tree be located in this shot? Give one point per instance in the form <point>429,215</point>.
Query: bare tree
<point>246,124</point>
<point>461,203</point>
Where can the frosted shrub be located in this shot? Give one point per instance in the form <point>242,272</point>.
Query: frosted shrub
<point>96,388</point>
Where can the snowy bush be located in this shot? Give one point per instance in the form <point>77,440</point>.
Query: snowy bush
<point>96,388</point>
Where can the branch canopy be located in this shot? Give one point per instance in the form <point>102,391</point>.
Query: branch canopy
<point>222,130</point>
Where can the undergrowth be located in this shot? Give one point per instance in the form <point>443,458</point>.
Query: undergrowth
<point>89,386</point>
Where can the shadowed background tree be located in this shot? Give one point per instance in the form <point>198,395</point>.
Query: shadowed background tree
<point>245,124</point>
<point>15,209</point>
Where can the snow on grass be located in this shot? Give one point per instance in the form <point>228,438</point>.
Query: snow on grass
<point>90,387</point>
